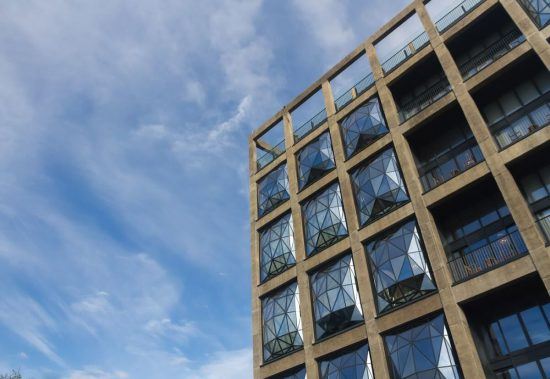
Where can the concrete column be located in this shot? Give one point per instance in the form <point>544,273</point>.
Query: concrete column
<point>306,310</point>
<point>464,345</point>
<point>361,269</point>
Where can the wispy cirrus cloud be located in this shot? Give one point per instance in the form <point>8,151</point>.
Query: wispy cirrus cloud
<point>123,160</point>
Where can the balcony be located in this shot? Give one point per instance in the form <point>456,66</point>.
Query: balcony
<point>491,54</point>
<point>522,123</point>
<point>351,94</point>
<point>424,99</point>
<point>456,14</point>
<point>446,166</point>
<point>508,247</point>
<point>405,53</point>
<point>270,154</point>
<point>310,125</point>
<point>544,225</point>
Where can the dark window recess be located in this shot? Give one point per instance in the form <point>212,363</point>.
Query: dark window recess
<point>478,232</point>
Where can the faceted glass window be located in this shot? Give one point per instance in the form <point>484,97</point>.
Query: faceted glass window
<point>277,248</point>
<point>399,267</point>
<point>539,10</point>
<point>379,187</point>
<point>325,222</point>
<point>273,190</point>
<point>353,365</point>
<point>336,301</point>
<point>282,327</point>
<point>423,351</point>
<point>363,127</point>
<point>315,160</point>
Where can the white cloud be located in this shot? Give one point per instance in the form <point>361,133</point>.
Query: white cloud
<point>328,21</point>
<point>235,364</point>
<point>96,373</point>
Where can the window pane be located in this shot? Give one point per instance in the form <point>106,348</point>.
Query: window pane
<point>534,189</point>
<point>536,325</point>
<point>545,174</point>
<point>543,81</point>
<point>513,333</point>
<point>492,113</point>
<point>529,371</point>
<point>335,298</point>
<point>509,102</point>
<point>527,92</point>
<point>546,366</point>
<point>500,346</point>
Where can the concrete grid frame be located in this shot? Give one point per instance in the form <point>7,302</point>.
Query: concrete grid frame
<point>496,165</point>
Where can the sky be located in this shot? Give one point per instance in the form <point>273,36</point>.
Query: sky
<point>124,230</point>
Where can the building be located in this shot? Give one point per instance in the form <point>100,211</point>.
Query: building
<point>403,231</point>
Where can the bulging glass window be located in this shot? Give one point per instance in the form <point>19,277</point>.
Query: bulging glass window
<point>362,127</point>
<point>282,326</point>
<point>325,222</point>
<point>399,268</point>
<point>379,187</point>
<point>422,351</point>
<point>273,190</point>
<point>315,160</point>
<point>336,303</point>
<point>277,248</point>
<point>355,364</point>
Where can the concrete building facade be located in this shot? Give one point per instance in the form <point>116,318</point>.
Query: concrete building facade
<point>403,231</point>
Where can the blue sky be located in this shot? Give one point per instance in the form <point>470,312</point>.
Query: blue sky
<point>124,230</point>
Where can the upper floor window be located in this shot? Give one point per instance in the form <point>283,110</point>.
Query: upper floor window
<point>355,364</point>
<point>379,187</point>
<point>521,343</point>
<point>325,221</point>
<point>400,271</point>
<point>273,190</point>
<point>282,326</point>
<point>363,126</point>
<point>423,351</point>
<point>536,185</point>
<point>315,160</point>
<point>277,248</point>
<point>335,299</point>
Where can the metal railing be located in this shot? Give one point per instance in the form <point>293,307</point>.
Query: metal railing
<point>406,52</point>
<point>508,132</point>
<point>506,248</point>
<point>423,100</point>
<point>451,164</point>
<point>492,53</point>
<point>456,14</point>
<point>309,126</point>
<point>544,225</point>
<point>360,87</point>
<point>269,156</point>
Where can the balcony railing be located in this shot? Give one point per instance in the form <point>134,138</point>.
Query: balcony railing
<point>346,98</point>
<point>544,225</point>
<point>423,100</point>
<point>269,156</point>
<point>406,52</point>
<point>456,14</point>
<point>309,126</point>
<point>447,166</point>
<point>485,258</point>
<point>492,53</point>
<point>507,132</point>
